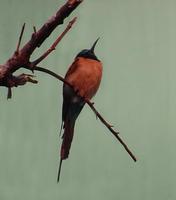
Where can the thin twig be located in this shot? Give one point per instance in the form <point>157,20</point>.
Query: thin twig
<point>115,133</point>
<point>9,93</point>
<point>20,38</point>
<point>34,28</point>
<point>100,117</point>
<point>91,105</point>
<point>47,71</point>
<point>53,46</point>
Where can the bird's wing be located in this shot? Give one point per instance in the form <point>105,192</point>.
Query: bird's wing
<point>68,92</point>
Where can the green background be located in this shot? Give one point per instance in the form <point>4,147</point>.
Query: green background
<point>137,95</point>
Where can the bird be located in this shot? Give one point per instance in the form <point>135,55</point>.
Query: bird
<point>84,75</point>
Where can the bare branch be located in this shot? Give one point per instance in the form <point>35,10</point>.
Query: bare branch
<point>91,105</point>
<point>51,73</point>
<point>22,79</point>
<point>21,59</point>
<point>9,93</point>
<point>34,28</point>
<point>19,41</point>
<point>115,133</point>
<point>53,46</point>
<point>40,36</point>
<point>15,81</point>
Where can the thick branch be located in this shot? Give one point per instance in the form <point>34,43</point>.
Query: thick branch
<point>39,37</point>
<point>22,58</point>
<point>91,105</point>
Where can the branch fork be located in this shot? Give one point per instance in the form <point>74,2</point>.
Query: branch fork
<point>21,59</point>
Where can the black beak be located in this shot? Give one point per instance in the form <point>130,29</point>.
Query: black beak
<point>93,46</point>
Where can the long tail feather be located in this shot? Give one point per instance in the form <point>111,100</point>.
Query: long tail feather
<point>67,138</point>
<point>66,144</point>
<point>59,171</point>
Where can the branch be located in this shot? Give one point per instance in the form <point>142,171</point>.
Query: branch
<point>51,73</point>
<point>53,46</point>
<point>19,41</point>
<point>115,133</point>
<point>15,81</point>
<point>21,59</point>
<point>34,28</point>
<point>91,105</point>
<point>40,36</point>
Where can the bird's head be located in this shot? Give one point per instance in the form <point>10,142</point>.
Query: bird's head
<point>88,53</point>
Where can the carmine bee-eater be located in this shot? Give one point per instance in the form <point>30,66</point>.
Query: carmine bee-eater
<point>85,76</point>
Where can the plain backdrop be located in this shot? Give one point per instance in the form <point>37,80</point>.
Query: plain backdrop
<point>137,95</point>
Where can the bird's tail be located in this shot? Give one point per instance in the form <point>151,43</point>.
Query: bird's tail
<point>66,143</point>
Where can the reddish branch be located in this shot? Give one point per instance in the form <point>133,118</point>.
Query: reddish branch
<point>53,46</point>
<point>21,59</point>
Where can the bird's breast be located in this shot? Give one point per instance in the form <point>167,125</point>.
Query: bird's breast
<point>85,76</point>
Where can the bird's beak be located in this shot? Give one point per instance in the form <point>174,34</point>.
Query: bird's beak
<point>93,46</point>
